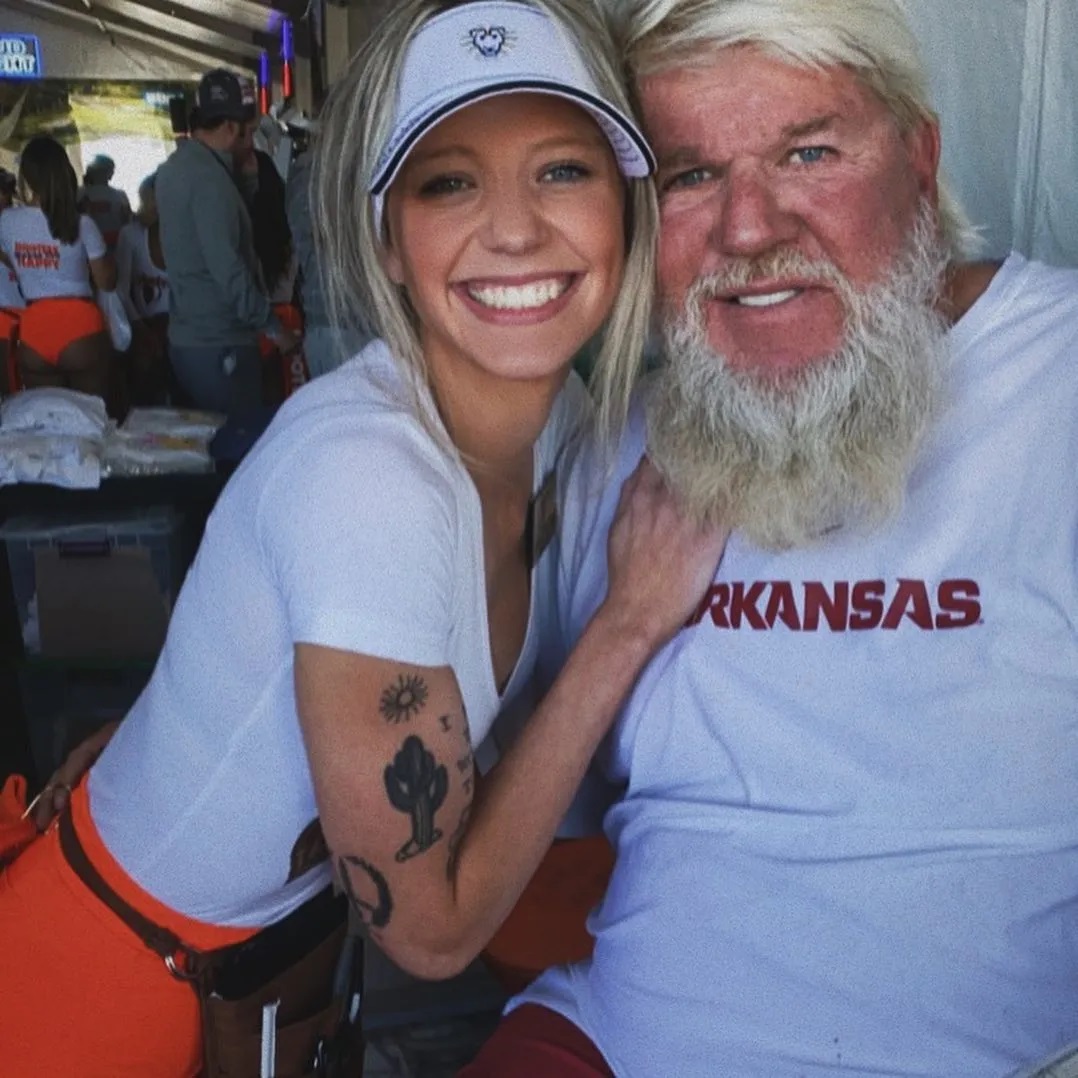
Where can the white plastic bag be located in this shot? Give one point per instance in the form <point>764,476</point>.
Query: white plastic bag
<point>60,460</point>
<point>112,308</point>
<point>52,410</point>
<point>177,422</point>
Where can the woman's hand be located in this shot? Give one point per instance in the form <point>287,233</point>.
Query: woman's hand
<point>57,791</point>
<point>659,561</point>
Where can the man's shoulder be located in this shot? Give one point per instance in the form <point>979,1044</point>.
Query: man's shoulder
<point>1030,282</point>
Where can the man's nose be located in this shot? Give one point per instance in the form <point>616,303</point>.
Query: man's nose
<point>751,218</point>
<point>514,222</point>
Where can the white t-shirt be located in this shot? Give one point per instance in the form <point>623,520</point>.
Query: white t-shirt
<point>849,839</point>
<point>346,526</point>
<point>142,285</point>
<point>47,268</point>
<point>10,296</point>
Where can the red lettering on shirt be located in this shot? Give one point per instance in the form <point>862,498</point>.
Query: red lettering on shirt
<point>37,255</point>
<point>841,606</point>
<point>959,606</point>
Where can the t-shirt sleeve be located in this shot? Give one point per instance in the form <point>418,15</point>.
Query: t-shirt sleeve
<point>360,530</point>
<point>91,238</point>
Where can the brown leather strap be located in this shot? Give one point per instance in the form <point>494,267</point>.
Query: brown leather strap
<point>160,940</point>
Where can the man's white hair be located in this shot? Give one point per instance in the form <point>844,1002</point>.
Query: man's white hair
<point>872,38</point>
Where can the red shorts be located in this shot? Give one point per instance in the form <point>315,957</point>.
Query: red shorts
<point>536,1042</point>
<point>80,993</point>
<point>48,326</point>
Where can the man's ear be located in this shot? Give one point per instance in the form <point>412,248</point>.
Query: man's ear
<point>923,146</point>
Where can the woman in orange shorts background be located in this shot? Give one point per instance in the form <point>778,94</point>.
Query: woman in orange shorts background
<point>59,258</point>
<point>11,301</point>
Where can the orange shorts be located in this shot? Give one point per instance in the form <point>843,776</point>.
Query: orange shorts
<point>80,994</point>
<point>48,326</point>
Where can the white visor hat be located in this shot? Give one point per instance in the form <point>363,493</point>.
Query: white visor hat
<point>484,49</point>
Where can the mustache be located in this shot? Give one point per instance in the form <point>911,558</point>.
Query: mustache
<point>738,274</point>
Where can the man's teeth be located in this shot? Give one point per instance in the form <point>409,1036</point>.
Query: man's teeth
<point>768,299</point>
<point>519,297</point>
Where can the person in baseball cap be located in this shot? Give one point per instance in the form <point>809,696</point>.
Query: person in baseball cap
<point>222,95</point>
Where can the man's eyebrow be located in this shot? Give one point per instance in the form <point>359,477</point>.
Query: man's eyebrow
<point>810,127</point>
<point>680,157</point>
<point>683,156</point>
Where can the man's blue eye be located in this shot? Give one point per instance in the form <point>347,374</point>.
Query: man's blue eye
<point>689,178</point>
<point>810,155</point>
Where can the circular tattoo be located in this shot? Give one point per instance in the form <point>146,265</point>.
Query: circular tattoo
<point>404,700</point>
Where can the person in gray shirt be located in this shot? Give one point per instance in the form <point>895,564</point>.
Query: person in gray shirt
<point>217,305</point>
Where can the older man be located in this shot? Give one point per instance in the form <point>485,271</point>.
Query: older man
<point>848,840</point>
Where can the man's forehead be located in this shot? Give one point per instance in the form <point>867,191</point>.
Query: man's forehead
<point>728,86</point>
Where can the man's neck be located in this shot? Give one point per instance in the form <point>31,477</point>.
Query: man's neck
<point>217,141</point>
<point>964,285</point>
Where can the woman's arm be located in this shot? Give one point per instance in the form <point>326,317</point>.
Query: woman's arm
<point>103,273</point>
<point>431,870</point>
<point>125,272</point>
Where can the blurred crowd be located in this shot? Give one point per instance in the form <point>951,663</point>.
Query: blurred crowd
<point>206,295</point>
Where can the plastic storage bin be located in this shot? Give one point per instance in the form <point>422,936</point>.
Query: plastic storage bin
<point>100,587</point>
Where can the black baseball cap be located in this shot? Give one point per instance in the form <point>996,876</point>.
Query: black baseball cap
<point>221,96</point>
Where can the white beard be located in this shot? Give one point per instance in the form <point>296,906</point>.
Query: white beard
<point>784,460</point>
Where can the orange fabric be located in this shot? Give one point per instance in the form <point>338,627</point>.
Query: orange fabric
<point>80,994</point>
<point>15,832</point>
<point>48,326</point>
<point>294,371</point>
<point>547,925</point>
<point>290,317</point>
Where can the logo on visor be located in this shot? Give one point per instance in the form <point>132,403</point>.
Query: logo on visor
<point>489,41</point>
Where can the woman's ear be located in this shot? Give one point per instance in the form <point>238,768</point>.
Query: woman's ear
<point>389,255</point>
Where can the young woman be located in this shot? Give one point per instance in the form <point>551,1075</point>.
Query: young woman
<point>59,257</point>
<point>12,303</point>
<point>365,597</point>
<point>142,283</point>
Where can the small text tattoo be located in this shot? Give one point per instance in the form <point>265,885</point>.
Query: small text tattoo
<point>373,908</point>
<point>417,784</point>
<point>455,841</point>
<point>404,700</point>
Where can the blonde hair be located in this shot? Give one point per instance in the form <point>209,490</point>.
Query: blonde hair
<point>872,38</point>
<point>356,123</point>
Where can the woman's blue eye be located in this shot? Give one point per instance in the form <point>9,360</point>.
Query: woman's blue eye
<point>443,185</point>
<point>810,155</point>
<point>566,172</point>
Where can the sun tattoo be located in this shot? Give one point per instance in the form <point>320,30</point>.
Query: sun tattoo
<point>403,701</point>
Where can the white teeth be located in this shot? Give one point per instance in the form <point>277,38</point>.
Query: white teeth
<point>519,297</point>
<point>769,299</point>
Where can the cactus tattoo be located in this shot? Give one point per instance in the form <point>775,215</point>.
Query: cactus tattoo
<point>417,784</point>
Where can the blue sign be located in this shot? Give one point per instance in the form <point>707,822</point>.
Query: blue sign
<point>20,56</point>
